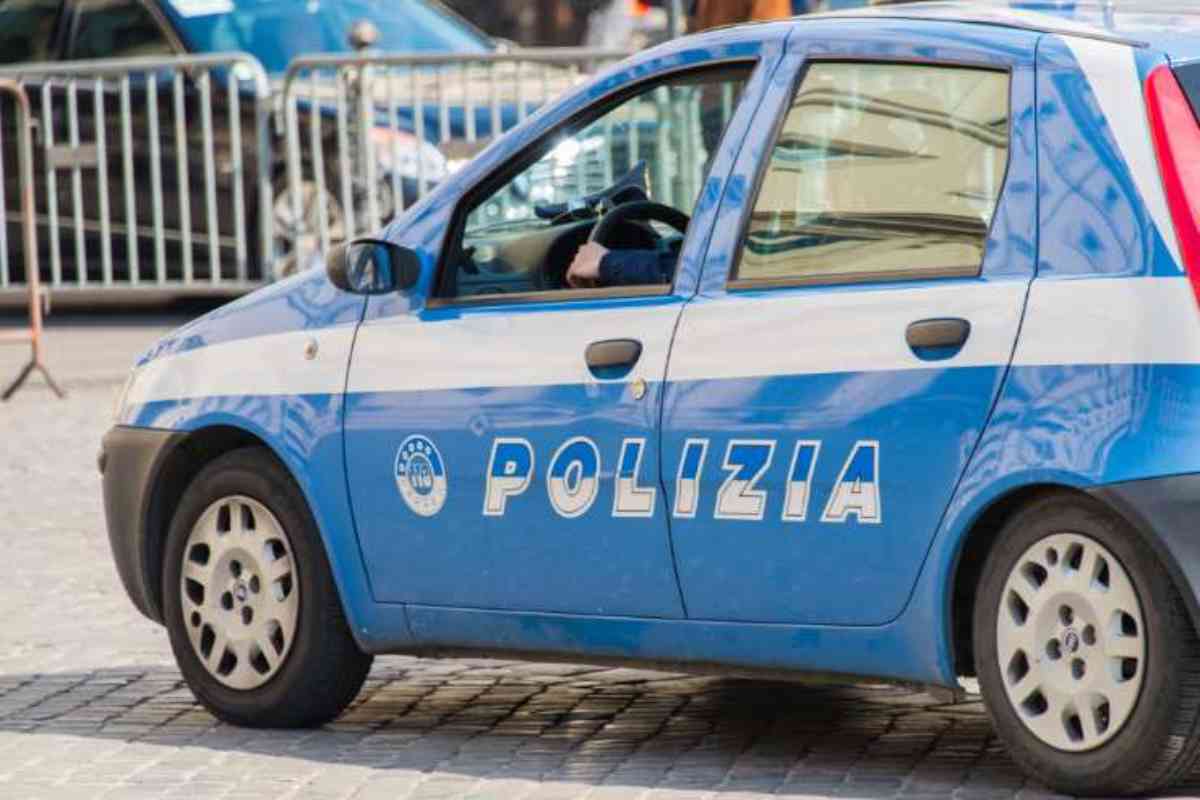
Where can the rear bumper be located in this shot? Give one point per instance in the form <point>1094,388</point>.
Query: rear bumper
<point>1167,513</point>
<point>130,462</point>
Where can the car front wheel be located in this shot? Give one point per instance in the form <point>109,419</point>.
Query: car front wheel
<point>1085,653</point>
<point>253,615</point>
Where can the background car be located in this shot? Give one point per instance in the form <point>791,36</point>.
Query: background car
<point>274,31</point>
<point>269,30</point>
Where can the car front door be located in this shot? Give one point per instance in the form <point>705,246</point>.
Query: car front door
<point>501,436</point>
<point>826,392</point>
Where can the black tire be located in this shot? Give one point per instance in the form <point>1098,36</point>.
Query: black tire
<point>323,670</point>
<point>1158,744</point>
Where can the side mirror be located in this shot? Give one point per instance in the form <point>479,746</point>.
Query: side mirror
<point>372,266</point>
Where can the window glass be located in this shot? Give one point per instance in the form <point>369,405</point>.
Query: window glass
<point>656,145</point>
<point>882,169</point>
<point>118,29</point>
<point>26,28</point>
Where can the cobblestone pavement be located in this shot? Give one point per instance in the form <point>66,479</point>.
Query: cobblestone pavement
<point>91,704</point>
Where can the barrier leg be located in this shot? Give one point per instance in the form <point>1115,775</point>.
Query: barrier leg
<point>24,374</point>
<point>34,333</point>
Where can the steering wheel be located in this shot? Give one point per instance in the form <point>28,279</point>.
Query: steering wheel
<point>553,273</point>
<point>642,211</point>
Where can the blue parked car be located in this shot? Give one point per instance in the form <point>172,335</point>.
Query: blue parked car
<point>274,32</point>
<point>883,362</point>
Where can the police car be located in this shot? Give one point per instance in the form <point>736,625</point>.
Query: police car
<point>864,344</point>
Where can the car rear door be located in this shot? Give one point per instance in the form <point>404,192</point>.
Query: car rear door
<point>826,392</point>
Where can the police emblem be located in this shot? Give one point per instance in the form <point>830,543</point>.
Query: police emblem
<point>421,475</point>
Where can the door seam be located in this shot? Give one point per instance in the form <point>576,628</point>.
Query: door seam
<point>683,306</point>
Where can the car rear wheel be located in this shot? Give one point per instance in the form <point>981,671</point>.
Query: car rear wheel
<point>253,615</point>
<point>1085,653</point>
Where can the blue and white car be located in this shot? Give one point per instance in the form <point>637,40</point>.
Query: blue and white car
<point>919,400</point>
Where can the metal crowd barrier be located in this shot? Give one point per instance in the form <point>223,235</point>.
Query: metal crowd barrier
<point>369,134</point>
<point>165,176</point>
<point>33,334</point>
<point>148,174</point>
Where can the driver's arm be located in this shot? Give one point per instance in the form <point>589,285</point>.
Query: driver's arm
<point>595,265</point>
<point>636,267</point>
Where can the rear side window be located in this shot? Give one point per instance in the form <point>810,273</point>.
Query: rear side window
<point>881,171</point>
<point>118,29</point>
<point>26,29</point>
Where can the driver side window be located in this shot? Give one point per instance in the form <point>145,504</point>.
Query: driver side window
<point>654,145</point>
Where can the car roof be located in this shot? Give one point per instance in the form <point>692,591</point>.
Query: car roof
<point>1171,27</point>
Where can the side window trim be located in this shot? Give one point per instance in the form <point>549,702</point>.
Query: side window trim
<point>853,278</point>
<point>734,283</point>
<point>549,296</point>
<point>505,171</point>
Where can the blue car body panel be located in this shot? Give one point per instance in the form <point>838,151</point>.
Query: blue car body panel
<point>1082,272</point>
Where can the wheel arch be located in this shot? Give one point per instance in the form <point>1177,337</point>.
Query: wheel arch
<point>984,531</point>
<point>1158,534</point>
<point>178,469</point>
<point>973,551</point>
<point>316,470</point>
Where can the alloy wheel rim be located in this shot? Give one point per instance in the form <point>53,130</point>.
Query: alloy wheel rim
<point>240,592</point>
<point>1071,642</point>
<point>296,239</point>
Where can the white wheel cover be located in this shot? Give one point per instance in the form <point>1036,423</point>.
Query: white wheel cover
<point>239,592</point>
<point>1070,638</point>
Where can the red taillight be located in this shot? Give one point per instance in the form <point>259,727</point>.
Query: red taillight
<point>1177,142</point>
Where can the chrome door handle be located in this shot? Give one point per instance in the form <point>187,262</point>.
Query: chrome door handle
<point>613,358</point>
<point>935,339</point>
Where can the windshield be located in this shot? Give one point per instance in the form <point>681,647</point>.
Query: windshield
<point>276,31</point>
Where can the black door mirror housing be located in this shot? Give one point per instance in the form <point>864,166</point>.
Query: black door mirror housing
<point>372,266</point>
